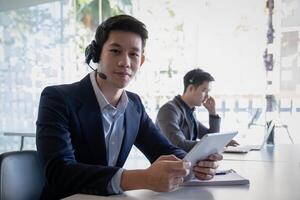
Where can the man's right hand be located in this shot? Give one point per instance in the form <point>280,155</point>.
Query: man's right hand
<point>166,173</point>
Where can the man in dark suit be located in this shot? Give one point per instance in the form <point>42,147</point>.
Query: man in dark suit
<point>85,130</point>
<point>176,118</point>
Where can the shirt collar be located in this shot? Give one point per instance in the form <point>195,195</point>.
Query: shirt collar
<point>186,107</point>
<point>102,101</point>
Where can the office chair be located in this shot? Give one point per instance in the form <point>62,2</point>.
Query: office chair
<point>254,118</point>
<point>21,176</point>
<point>278,125</point>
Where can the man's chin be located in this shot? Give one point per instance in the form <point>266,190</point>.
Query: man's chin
<point>122,85</point>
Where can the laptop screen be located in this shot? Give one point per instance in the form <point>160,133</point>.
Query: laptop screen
<point>269,128</point>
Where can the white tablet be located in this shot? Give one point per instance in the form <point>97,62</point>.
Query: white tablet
<point>209,144</point>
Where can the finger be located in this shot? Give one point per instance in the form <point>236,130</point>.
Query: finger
<point>235,144</point>
<point>179,173</point>
<point>215,157</point>
<point>204,170</point>
<point>209,99</point>
<point>173,187</point>
<point>201,176</point>
<point>175,183</point>
<point>169,157</point>
<point>178,165</point>
<point>232,143</point>
<point>178,181</point>
<point>205,99</point>
<point>178,168</point>
<point>208,164</point>
<point>206,105</point>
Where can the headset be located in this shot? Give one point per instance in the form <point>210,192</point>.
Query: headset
<point>92,52</point>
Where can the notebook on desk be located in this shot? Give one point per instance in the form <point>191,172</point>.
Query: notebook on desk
<point>247,148</point>
<point>229,178</point>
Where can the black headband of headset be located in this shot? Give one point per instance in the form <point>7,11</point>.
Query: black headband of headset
<point>92,52</point>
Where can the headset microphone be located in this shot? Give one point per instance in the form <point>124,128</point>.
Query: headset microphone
<point>101,74</point>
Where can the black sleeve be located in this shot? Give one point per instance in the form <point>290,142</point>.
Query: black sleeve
<point>152,142</point>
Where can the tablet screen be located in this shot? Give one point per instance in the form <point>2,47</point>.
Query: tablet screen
<point>210,144</point>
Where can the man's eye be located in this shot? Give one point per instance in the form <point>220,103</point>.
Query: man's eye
<point>116,51</point>
<point>134,54</point>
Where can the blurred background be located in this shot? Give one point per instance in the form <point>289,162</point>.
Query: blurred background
<point>252,48</point>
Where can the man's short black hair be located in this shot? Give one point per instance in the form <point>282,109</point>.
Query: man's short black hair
<point>196,77</point>
<point>116,23</point>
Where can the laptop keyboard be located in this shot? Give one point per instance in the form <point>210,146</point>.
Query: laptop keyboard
<point>242,148</point>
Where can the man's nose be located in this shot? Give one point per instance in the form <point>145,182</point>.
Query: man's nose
<point>124,61</point>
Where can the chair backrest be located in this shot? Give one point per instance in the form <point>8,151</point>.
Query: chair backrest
<point>21,176</point>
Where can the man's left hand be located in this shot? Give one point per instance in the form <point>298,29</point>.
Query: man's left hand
<point>233,143</point>
<point>210,104</point>
<point>206,169</point>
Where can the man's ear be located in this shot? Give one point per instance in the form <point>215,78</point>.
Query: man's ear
<point>190,88</point>
<point>142,59</point>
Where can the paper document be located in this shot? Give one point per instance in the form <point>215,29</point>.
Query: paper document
<point>230,178</point>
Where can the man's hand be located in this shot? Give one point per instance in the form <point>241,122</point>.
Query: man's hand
<point>210,104</point>
<point>233,143</point>
<point>166,173</point>
<point>206,169</point>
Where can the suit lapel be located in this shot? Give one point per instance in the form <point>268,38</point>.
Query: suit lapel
<point>186,119</point>
<point>90,120</point>
<point>132,124</point>
<point>190,125</point>
<point>197,126</point>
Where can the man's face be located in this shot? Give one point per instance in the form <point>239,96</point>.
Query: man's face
<point>121,57</point>
<point>200,93</point>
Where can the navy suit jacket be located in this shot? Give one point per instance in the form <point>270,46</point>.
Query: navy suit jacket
<point>70,140</point>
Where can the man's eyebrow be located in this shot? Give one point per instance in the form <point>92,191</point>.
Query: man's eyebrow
<point>136,49</point>
<point>115,45</point>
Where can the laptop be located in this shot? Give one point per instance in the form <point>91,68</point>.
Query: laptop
<point>247,148</point>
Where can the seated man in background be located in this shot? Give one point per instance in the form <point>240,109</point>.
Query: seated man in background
<point>85,130</point>
<point>176,118</point>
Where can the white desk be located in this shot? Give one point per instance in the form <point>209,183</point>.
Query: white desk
<point>269,180</point>
<point>277,153</point>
